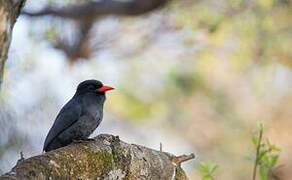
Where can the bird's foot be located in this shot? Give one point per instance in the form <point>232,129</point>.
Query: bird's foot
<point>82,140</point>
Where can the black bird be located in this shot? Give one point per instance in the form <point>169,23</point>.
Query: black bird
<point>79,117</point>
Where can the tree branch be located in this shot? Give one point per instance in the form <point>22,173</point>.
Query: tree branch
<point>98,8</point>
<point>9,11</point>
<point>105,158</point>
<point>85,15</point>
<point>180,159</point>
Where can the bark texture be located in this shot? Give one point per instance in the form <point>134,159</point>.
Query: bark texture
<point>107,157</point>
<point>9,11</point>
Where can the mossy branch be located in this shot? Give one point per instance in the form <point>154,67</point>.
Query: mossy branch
<point>107,157</point>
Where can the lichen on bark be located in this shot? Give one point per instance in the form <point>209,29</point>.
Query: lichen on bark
<point>107,157</point>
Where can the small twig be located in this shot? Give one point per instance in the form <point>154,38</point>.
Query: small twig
<point>180,159</point>
<point>21,158</point>
<point>160,147</point>
<point>21,155</point>
<point>257,154</point>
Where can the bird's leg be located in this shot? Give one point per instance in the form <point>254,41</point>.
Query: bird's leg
<point>81,140</point>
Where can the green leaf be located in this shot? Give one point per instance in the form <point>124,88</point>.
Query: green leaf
<point>273,160</point>
<point>273,148</point>
<point>255,140</point>
<point>203,168</point>
<point>207,178</point>
<point>264,173</point>
<point>206,169</point>
<point>213,168</point>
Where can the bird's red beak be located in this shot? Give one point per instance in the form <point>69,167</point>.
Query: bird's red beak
<point>104,88</point>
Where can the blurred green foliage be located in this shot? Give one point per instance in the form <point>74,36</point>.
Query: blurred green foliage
<point>207,170</point>
<point>216,93</point>
<point>267,155</point>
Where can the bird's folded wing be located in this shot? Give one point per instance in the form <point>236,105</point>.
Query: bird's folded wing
<point>68,115</point>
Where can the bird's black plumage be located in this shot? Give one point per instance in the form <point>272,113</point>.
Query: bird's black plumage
<point>79,117</point>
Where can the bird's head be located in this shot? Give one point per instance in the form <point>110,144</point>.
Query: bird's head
<point>92,86</point>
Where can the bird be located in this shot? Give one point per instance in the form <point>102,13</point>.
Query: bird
<point>79,117</point>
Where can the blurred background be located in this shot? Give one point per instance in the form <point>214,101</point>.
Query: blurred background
<point>197,76</point>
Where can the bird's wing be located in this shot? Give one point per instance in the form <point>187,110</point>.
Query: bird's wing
<point>68,115</point>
